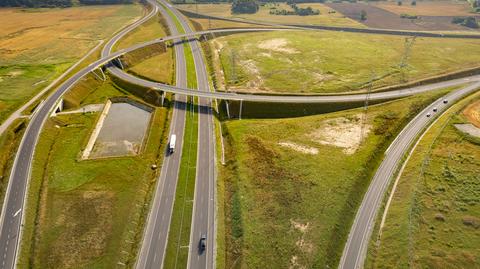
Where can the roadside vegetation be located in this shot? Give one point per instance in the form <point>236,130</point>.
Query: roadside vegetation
<point>95,207</point>
<point>285,203</point>
<point>36,46</point>
<point>333,62</point>
<point>155,63</point>
<point>433,219</point>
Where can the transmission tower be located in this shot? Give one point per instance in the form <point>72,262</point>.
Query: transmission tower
<point>232,59</point>
<point>409,41</point>
<point>365,106</point>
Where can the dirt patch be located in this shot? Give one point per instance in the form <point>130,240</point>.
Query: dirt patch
<point>300,148</point>
<point>277,45</point>
<point>468,129</point>
<point>381,18</point>
<point>342,132</point>
<point>472,112</point>
<point>251,67</point>
<point>302,244</point>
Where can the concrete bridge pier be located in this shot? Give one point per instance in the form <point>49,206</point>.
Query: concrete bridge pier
<point>227,108</point>
<point>240,112</point>
<point>103,77</point>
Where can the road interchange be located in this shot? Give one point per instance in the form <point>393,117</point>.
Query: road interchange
<point>12,213</point>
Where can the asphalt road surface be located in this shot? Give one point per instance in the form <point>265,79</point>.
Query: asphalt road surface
<point>12,213</point>
<point>12,216</point>
<point>356,247</point>
<point>203,218</point>
<point>155,238</point>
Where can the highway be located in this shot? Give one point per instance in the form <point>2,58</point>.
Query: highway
<point>12,211</point>
<point>155,237</point>
<point>203,218</point>
<point>355,249</point>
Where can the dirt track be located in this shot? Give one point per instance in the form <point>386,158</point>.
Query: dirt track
<point>380,18</point>
<point>472,112</point>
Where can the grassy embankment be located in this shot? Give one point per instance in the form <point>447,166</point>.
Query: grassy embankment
<point>153,63</point>
<point>433,218</point>
<point>293,205</point>
<point>325,17</point>
<point>333,62</point>
<point>180,225</point>
<point>94,207</point>
<point>33,53</point>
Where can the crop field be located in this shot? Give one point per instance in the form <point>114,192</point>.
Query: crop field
<point>385,15</point>
<point>37,45</point>
<point>429,8</point>
<point>287,205</point>
<point>325,17</point>
<point>95,207</point>
<point>433,219</point>
<point>330,62</point>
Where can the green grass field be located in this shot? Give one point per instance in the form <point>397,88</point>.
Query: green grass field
<point>292,205</point>
<point>433,219</point>
<point>325,18</point>
<point>332,62</point>
<point>95,207</point>
<point>36,47</point>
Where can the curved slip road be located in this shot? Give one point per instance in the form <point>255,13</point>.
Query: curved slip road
<point>355,249</point>
<point>12,213</point>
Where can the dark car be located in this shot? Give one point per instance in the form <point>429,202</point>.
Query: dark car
<point>445,101</point>
<point>203,243</point>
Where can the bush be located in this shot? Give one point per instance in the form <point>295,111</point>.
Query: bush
<point>470,22</point>
<point>409,16</point>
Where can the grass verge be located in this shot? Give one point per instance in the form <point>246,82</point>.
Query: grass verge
<point>433,216</point>
<point>293,205</point>
<point>95,207</point>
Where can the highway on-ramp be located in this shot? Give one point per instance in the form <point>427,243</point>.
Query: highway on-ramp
<point>355,249</point>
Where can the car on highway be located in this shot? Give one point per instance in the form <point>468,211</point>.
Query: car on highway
<point>435,109</point>
<point>171,145</point>
<point>429,114</point>
<point>202,244</point>
<point>445,101</point>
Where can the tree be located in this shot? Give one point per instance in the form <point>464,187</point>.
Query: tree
<point>244,7</point>
<point>363,15</point>
<point>399,3</point>
<point>414,3</point>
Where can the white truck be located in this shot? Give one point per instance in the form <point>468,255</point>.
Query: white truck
<point>171,145</point>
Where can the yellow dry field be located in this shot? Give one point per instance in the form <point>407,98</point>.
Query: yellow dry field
<point>472,113</point>
<point>326,16</point>
<point>37,45</point>
<point>70,31</point>
<point>428,8</point>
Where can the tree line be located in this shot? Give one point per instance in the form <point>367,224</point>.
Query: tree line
<point>58,3</point>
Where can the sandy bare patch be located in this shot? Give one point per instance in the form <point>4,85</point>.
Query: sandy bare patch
<point>342,132</point>
<point>265,54</point>
<point>252,69</point>
<point>472,112</point>
<point>300,148</point>
<point>300,226</point>
<point>277,45</point>
<point>319,77</point>
<point>468,129</point>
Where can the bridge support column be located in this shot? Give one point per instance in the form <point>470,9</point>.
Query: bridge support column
<point>120,63</point>
<point>227,108</point>
<point>240,113</point>
<point>163,98</point>
<point>103,77</point>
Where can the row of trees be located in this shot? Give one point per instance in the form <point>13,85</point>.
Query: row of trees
<point>296,10</point>
<point>58,3</point>
<point>244,7</point>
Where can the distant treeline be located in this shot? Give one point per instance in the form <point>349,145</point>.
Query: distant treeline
<point>58,3</point>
